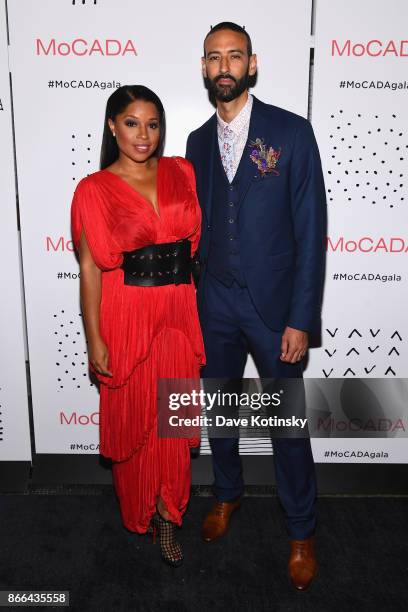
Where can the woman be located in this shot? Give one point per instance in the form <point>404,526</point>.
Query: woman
<point>129,220</point>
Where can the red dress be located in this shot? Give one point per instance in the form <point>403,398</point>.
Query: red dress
<point>150,332</point>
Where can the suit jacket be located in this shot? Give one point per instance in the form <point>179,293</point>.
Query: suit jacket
<point>281,218</point>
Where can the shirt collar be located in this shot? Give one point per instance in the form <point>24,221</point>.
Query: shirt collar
<point>240,121</point>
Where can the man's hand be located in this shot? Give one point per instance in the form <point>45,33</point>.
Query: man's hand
<point>294,345</point>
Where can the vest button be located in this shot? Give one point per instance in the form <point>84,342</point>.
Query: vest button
<point>230,220</point>
<point>231,204</point>
<point>209,227</point>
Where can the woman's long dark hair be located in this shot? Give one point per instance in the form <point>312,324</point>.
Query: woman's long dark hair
<point>117,102</point>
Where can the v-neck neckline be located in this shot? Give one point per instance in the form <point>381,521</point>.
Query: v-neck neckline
<point>148,202</point>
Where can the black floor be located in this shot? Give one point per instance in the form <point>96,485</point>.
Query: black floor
<point>77,543</point>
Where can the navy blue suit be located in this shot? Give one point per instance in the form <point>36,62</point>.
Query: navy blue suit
<point>262,254</point>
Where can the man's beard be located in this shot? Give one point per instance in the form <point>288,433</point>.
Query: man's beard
<point>226,94</point>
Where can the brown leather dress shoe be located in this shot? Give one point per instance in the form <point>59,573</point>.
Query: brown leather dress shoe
<point>216,522</point>
<point>302,563</point>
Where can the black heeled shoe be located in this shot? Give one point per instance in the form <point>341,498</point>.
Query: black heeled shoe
<point>171,552</point>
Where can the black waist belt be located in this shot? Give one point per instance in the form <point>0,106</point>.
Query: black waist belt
<point>159,264</point>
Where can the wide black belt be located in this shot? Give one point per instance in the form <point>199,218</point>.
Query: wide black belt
<point>159,264</point>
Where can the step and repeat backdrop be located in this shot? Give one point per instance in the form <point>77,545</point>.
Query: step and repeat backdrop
<point>14,420</point>
<point>65,57</point>
<point>360,93</point>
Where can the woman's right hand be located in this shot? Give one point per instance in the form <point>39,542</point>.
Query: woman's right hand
<point>99,357</point>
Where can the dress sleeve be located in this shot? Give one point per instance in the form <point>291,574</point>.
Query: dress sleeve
<point>89,214</point>
<point>188,170</point>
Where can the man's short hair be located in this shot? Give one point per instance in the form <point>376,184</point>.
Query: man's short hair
<point>229,25</point>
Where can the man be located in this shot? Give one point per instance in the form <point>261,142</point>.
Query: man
<point>260,185</point>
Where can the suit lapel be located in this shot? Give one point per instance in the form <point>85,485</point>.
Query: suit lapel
<point>207,157</point>
<point>248,170</point>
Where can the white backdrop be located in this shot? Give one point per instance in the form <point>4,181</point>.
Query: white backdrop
<point>361,125</point>
<point>65,59</point>
<point>14,423</point>
<point>54,41</point>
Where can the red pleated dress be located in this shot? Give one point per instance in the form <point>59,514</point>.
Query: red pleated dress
<point>150,332</point>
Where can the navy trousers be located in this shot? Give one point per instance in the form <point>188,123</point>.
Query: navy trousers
<point>232,328</point>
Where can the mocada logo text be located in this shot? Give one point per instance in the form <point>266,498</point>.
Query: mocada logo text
<point>367,244</point>
<point>372,48</point>
<point>58,244</point>
<point>79,419</point>
<point>81,47</point>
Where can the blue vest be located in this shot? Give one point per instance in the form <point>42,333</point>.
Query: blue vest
<point>224,261</point>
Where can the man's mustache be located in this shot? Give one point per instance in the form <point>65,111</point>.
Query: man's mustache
<point>225,76</point>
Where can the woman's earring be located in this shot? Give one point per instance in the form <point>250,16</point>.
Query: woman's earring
<point>113,134</point>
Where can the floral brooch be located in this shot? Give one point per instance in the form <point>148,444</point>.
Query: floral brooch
<point>265,158</point>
